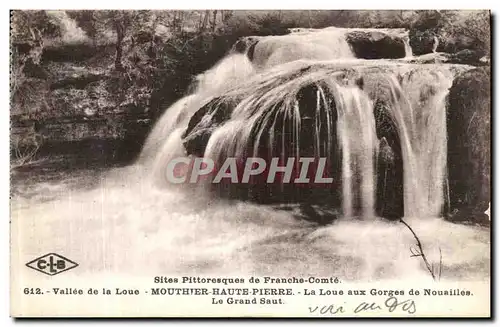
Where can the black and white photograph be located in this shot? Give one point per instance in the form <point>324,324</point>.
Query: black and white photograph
<point>250,163</point>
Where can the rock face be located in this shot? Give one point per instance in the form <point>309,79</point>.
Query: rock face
<point>468,124</point>
<point>246,45</point>
<point>390,201</point>
<point>466,57</point>
<point>72,95</point>
<point>376,45</point>
<point>389,195</point>
<point>457,49</point>
<point>389,164</point>
<point>458,43</point>
<point>202,124</point>
<point>422,42</point>
<point>218,111</point>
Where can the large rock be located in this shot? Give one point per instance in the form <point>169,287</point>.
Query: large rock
<point>202,124</point>
<point>462,49</point>
<point>423,42</point>
<point>390,201</point>
<point>469,145</point>
<point>459,42</point>
<point>246,45</point>
<point>211,116</point>
<point>376,84</point>
<point>467,57</point>
<point>463,57</point>
<point>390,193</point>
<point>376,45</point>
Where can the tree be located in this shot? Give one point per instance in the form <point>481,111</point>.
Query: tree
<point>476,26</point>
<point>120,22</point>
<point>28,25</point>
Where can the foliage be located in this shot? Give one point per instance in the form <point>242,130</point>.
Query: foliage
<point>32,24</point>
<point>149,59</point>
<point>475,26</point>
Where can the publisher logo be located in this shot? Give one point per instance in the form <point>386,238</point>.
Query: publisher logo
<point>52,264</point>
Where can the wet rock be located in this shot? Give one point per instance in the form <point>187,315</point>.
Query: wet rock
<point>467,57</point>
<point>485,60</point>
<point>217,112</point>
<point>246,45</point>
<point>469,217</point>
<point>458,42</point>
<point>469,147</point>
<point>203,123</point>
<point>464,57</point>
<point>386,154</point>
<point>431,58</point>
<point>462,49</point>
<point>376,45</point>
<point>312,214</point>
<point>389,193</point>
<point>422,42</point>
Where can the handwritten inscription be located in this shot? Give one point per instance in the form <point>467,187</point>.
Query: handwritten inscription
<point>391,304</point>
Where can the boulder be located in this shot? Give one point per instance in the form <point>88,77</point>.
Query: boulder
<point>467,57</point>
<point>469,144</point>
<point>422,42</point>
<point>389,195</point>
<point>458,42</point>
<point>246,45</point>
<point>376,45</point>
<point>202,124</point>
<point>390,180</point>
<point>462,49</point>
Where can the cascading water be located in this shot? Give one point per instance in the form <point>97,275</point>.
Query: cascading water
<point>356,131</point>
<point>408,49</point>
<point>159,148</point>
<point>266,110</point>
<point>436,44</point>
<point>418,108</point>
<point>323,44</point>
<point>264,106</point>
<point>426,157</point>
<point>379,123</point>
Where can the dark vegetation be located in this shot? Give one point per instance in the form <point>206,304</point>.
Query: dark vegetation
<point>108,75</point>
<point>451,31</point>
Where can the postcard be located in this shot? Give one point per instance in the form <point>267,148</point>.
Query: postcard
<point>272,163</point>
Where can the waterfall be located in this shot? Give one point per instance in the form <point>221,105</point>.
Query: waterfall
<point>71,32</point>
<point>408,49</point>
<point>229,70</point>
<point>380,124</point>
<point>323,44</point>
<point>418,108</point>
<point>435,44</point>
<point>291,107</point>
<point>356,131</point>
